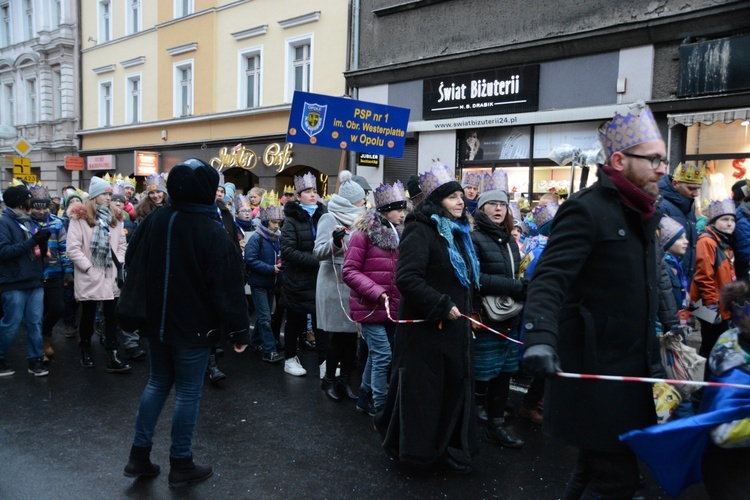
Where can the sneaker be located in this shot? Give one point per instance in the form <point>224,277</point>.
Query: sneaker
<point>293,367</point>
<point>322,367</point>
<point>70,331</point>
<point>5,370</point>
<point>272,357</point>
<point>134,352</point>
<point>37,369</point>
<point>364,403</point>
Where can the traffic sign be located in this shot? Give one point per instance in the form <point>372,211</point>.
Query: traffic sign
<point>21,166</point>
<point>22,146</point>
<point>26,177</point>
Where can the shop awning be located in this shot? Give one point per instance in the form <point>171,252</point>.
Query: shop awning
<point>709,117</point>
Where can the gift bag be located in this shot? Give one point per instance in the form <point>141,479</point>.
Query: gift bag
<point>681,362</point>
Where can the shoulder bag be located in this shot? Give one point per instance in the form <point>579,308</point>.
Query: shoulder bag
<point>502,307</point>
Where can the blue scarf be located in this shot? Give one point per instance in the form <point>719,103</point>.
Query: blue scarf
<point>310,209</point>
<point>447,228</point>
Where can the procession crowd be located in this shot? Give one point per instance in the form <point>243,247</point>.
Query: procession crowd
<point>442,291</point>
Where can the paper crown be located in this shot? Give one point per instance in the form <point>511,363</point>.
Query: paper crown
<point>289,189</point>
<point>270,209</point>
<point>126,181</point>
<point>515,211</point>
<point>473,179</point>
<point>306,181</point>
<point>155,182</point>
<point>434,178</point>
<point>717,208</point>
<point>118,188</point>
<point>542,214</point>
<point>497,180</point>
<point>242,201</point>
<point>669,231</point>
<point>221,181</point>
<point>39,191</point>
<point>385,194</point>
<point>689,173</point>
<point>626,131</point>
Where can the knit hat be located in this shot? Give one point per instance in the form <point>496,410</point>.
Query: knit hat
<point>14,196</point>
<point>412,185</point>
<point>496,195</point>
<point>230,189</point>
<point>669,232</point>
<point>718,208</point>
<point>70,196</point>
<point>98,186</point>
<point>350,189</point>
<point>362,182</point>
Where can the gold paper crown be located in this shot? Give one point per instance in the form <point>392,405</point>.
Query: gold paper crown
<point>689,173</point>
<point>289,189</point>
<point>128,181</point>
<point>626,131</point>
<point>270,209</point>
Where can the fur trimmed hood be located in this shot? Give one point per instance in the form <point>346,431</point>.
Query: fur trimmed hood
<point>292,209</point>
<point>78,211</point>
<point>378,230</point>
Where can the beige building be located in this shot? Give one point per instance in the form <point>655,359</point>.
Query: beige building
<point>207,79</point>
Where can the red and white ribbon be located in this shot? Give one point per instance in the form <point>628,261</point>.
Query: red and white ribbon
<point>479,323</point>
<point>650,380</point>
<point>402,321</point>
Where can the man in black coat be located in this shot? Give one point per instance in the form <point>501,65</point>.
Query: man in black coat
<point>592,306</point>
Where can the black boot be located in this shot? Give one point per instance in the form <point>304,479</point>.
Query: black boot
<point>114,365</point>
<point>480,401</point>
<point>498,433</point>
<point>329,386</point>
<point>214,374</point>
<point>86,360</point>
<point>139,463</point>
<point>183,471</point>
<point>343,388</point>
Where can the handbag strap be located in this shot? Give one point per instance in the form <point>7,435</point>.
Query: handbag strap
<point>114,257</point>
<point>512,262</point>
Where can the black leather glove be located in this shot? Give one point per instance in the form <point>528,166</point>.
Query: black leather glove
<point>541,360</point>
<point>524,289</point>
<point>41,237</point>
<point>338,236</point>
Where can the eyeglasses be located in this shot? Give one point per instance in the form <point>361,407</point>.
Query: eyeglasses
<point>496,204</point>
<point>654,160</point>
<point>246,211</point>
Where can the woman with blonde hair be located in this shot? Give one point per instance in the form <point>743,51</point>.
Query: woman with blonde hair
<point>96,240</point>
<point>256,195</point>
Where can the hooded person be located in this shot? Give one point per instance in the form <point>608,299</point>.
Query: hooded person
<point>195,287</point>
<point>428,418</point>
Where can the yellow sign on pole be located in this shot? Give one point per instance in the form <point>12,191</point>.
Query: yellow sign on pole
<point>21,166</point>
<point>26,177</point>
<point>22,146</point>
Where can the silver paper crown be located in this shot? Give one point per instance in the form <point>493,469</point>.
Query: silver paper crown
<point>434,178</point>
<point>626,131</point>
<point>717,208</point>
<point>515,210</point>
<point>473,179</point>
<point>118,188</point>
<point>306,181</point>
<point>542,214</point>
<point>155,182</point>
<point>497,180</point>
<point>385,194</point>
<point>271,212</point>
<point>39,191</point>
<point>668,229</point>
<point>242,201</point>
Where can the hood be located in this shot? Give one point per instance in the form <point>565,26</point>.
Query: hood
<point>193,181</point>
<point>378,230</point>
<point>669,193</point>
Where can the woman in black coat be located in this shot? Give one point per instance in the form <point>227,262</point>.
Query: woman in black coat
<point>428,414</point>
<point>496,358</point>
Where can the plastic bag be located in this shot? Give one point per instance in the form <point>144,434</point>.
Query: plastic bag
<point>681,362</point>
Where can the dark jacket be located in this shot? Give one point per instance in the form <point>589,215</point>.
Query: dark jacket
<point>261,255</point>
<point>680,209</point>
<point>742,241</point>
<point>195,279</point>
<point>430,395</point>
<point>300,265</point>
<point>496,277</point>
<point>20,269</point>
<point>594,298</point>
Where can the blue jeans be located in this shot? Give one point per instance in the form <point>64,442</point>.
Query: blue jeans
<point>375,377</point>
<point>263,298</point>
<point>184,368</point>
<point>25,306</point>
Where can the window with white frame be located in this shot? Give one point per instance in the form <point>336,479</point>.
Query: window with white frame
<point>6,35</point>
<point>28,18</point>
<point>105,21</point>
<point>299,65</point>
<point>57,13</point>
<point>56,94</point>
<point>183,8</point>
<point>133,98</point>
<point>105,103</point>
<point>250,79</point>
<point>31,100</point>
<point>183,88</point>
<point>133,16</point>
<point>9,111</point>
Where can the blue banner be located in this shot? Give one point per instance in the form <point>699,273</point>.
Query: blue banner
<point>347,124</point>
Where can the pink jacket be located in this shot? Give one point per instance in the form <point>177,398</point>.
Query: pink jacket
<point>90,282</point>
<point>370,269</point>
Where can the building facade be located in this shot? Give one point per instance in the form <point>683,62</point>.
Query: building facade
<point>209,79</point>
<point>39,92</point>
<point>519,85</point>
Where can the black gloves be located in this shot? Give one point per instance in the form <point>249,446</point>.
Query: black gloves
<point>41,237</point>
<point>541,360</point>
<point>338,236</point>
<point>524,288</point>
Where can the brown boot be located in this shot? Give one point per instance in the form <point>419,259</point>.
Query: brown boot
<point>47,349</point>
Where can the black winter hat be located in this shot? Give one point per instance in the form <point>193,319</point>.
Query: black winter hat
<point>412,185</point>
<point>14,196</point>
<point>193,181</point>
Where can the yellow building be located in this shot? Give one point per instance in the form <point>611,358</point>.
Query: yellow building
<point>207,79</point>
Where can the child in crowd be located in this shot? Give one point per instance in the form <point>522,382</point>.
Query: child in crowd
<point>673,240</point>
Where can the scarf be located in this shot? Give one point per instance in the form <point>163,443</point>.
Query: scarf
<point>101,253</point>
<point>447,228</point>
<point>246,225</point>
<point>264,232</point>
<point>310,209</point>
<point>632,195</point>
<point>471,206</point>
<point>344,211</point>
<point>21,219</point>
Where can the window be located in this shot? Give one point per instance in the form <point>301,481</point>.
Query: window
<point>183,88</point>
<point>183,8</point>
<point>56,94</point>
<point>133,99</point>
<point>6,37</point>
<point>28,25</point>
<point>299,65</point>
<point>105,21</point>
<point>250,73</point>
<point>57,13</point>
<point>31,100</point>
<point>9,111</point>
<point>105,103</point>
<point>133,16</point>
